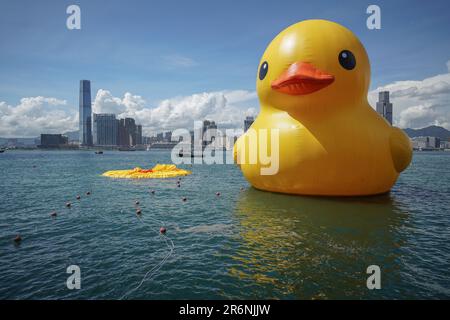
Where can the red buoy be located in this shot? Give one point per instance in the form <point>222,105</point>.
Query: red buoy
<point>162,230</point>
<point>18,239</point>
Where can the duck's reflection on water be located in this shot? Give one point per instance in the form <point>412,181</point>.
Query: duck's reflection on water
<point>309,247</point>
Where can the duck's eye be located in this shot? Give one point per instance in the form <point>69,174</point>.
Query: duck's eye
<point>263,70</point>
<point>347,60</point>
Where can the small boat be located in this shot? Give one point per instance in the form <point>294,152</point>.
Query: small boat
<point>98,152</point>
<point>2,150</point>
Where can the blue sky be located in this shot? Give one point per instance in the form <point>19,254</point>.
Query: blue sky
<point>169,63</point>
<point>161,49</point>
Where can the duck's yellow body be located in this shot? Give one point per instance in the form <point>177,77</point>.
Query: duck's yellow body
<point>331,142</point>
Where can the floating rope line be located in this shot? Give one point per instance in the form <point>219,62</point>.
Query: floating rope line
<point>150,273</point>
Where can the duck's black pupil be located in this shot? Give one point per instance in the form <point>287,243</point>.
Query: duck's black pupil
<point>347,60</point>
<point>263,70</point>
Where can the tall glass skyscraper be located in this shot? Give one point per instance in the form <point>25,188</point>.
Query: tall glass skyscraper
<point>384,106</point>
<point>85,113</point>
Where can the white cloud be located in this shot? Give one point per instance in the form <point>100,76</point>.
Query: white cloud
<point>227,108</point>
<point>418,104</point>
<point>105,102</point>
<point>35,115</point>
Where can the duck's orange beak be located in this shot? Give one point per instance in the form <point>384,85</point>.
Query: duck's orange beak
<point>302,78</point>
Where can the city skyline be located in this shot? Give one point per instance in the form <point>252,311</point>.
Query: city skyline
<point>86,128</point>
<point>105,130</point>
<point>428,97</point>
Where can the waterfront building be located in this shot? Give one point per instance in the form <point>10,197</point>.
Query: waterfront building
<point>105,129</point>
<point>147,140</point>
<point>160,137</point>
<point>127,132</point>
<point>138,134</point>
<point>53,140</point>
<point>209,132</point>
<point>163,145</point>
<point>85,113</point>
<point>168,136</point>
<point>423,143</point>
<point>384,106</point>
<point>248,122</point>
<point>445,144</point>
<point>434,142</point>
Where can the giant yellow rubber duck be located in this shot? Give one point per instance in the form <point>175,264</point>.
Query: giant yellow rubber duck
<point>312,84</point>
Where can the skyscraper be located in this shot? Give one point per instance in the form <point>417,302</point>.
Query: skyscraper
<point>127,132</point>
<point>105,129</point>
<point>384,107</point>
<point>85,113</point>
<point>138,134</point>
<point>248,122</point>
<point>209,132</point>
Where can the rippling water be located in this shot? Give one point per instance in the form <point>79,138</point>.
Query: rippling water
<point>242,244</point>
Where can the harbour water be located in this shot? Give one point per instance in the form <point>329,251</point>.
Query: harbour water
<point>244,243</point>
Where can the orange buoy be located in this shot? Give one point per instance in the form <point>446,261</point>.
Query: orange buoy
<point>53,214</point>
<point>162,230</point>
<point>68,204</point>
<point>18,239</point>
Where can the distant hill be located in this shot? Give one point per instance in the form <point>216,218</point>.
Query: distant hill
<point>18,141</point>
<point>4,142</point>
<point>432,131</point>
<point>73,135</point>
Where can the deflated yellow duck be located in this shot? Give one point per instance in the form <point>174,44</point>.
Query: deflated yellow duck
<point>312,85</point>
